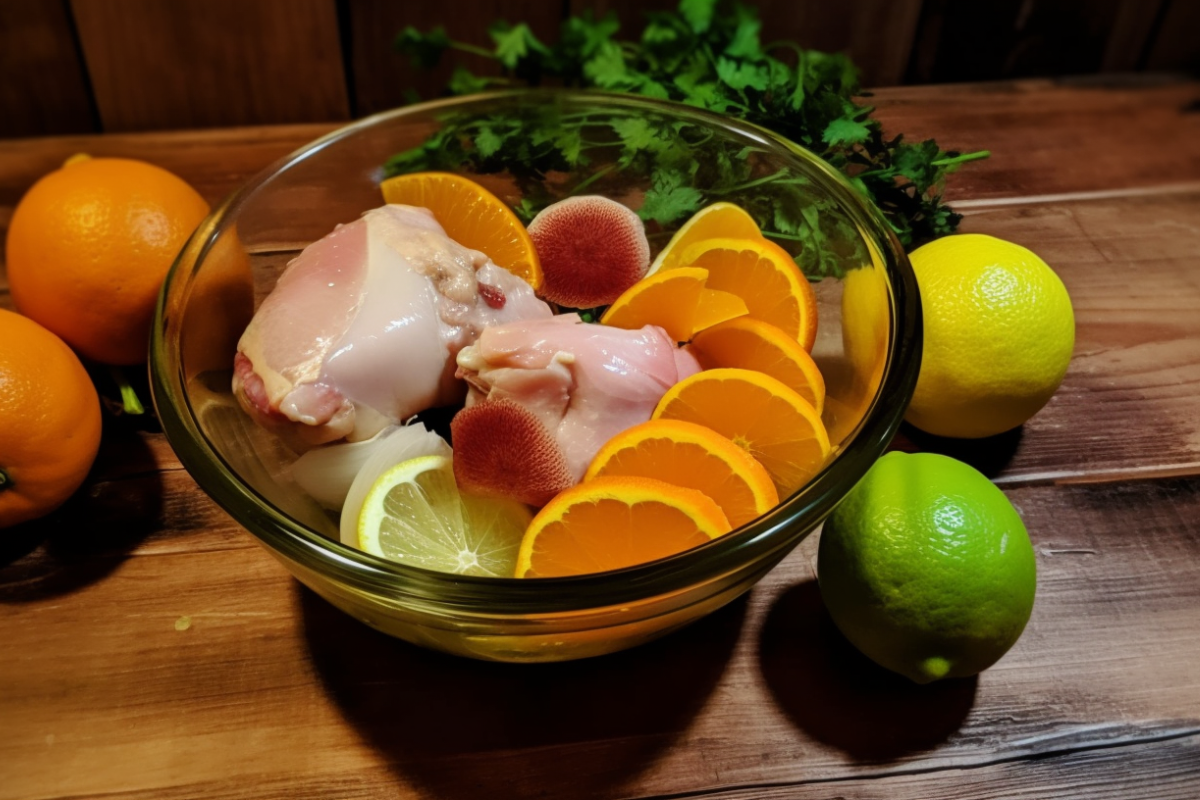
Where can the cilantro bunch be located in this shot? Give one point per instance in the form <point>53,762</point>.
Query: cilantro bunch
<point>708,54</point>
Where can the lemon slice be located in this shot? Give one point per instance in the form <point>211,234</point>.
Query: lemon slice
<point>415,514</point>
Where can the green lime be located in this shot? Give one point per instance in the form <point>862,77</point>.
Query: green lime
<point>415,514</point>
<point>927,568</point>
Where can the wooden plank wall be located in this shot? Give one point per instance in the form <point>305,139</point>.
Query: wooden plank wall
<point>75,66</point>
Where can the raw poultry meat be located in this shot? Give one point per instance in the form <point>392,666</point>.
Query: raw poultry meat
<point>585,383</point>
<point>363,327</point>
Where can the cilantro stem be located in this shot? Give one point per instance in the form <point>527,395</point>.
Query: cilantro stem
<point>787,46</point>
<point>473,49</point>
<point>583,115</point>
<point>589,180</point>
<point>5,481</point>
<point>751,184</point>
<point>961,159</point>
<point>129,398</point>
<point>802,94</point>
<point>800,65</point>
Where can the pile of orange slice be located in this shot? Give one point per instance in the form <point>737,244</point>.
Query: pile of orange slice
<point>724,242</point>
<point>724,445</point>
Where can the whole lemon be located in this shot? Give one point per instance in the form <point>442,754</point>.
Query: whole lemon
<point>927,568</point>
<point>999,331</point>
<point>88,248</point>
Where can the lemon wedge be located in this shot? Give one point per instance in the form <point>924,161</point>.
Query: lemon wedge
<point>414,514</point>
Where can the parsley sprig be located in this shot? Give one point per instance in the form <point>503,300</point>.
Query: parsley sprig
<point>708,54</point>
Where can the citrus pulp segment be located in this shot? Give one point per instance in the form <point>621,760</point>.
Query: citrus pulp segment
<point>748,343</point>
<point>668,300</point>
<point>759,413</point>
<point>711,222</point>
<point>765,277</point>
<point>676,301</point>
<point>614,522</point>
<point>414,514</point>
<point>471,216</point>
<point>689,455</point>
<point>716,307</point>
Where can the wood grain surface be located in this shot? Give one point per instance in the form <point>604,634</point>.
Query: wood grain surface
<point>70,66</point>
<point>194,63</point>
<point>1007,39</point>
<point>43,84</point>
<point>1174,46</point>
<point>385,79</point>
<point>213,650</point>
<point>153,650</point>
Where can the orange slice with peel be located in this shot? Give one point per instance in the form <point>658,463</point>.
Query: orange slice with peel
<point>716,307</point>
<point>693,456</point>
<point>676,300</point>
<point>711,222</point>
<point>759,413</point>
<point>614,522</point>
<point>765,277</point>
<point>748,343</point>
<point>471,216</point>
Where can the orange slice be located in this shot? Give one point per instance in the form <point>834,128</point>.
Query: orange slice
<point>719,220</point>
<point>471,216</point>
<point>716,307</point>
<point>676,301</point>
<point>692,456</point>
<point>766,277</point>
<point>759,413</point>
<point>748,343</point>
<point>614,522</point>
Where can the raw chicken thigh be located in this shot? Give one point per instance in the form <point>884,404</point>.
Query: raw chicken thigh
<point>585,383</point>
<point>363,327</point>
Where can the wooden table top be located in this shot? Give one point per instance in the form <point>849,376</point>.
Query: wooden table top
<point>151,649</point>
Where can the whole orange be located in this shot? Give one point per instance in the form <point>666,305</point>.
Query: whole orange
<point>89,246</point>
<point>49,420</point>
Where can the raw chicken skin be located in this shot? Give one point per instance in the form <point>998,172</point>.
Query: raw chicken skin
<point>586,383</point>
<point>363,326</point>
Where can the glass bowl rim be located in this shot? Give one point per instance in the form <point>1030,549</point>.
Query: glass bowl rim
<point>750,544</point>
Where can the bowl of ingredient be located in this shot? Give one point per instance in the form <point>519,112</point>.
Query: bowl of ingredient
<point>539,375</point>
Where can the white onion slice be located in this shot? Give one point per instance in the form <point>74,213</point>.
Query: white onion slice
<point>325,473</point>
<point>403,443</point>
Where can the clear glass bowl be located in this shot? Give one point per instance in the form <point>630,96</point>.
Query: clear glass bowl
<point>868,348</point>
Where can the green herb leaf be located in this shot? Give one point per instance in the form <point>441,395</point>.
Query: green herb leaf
<point>845,131</point>
<point>707,54</point>
<point>463,81</point>
<point>514,42</point>
<point>698,13</point>
<point>425,49</point>
<point>668,199</point>
<point>744,43</point>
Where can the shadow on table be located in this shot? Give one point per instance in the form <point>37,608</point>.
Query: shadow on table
<point>840,697</point>
<point>469,729</point>
<point>989,455</point>
<point>88,536</point>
